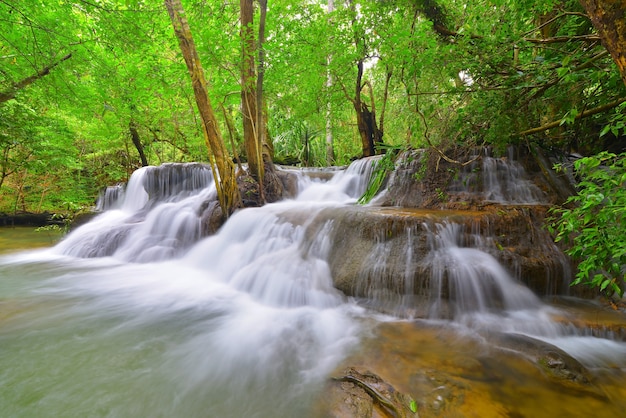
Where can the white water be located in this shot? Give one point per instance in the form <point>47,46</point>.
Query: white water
<point>499,180</point>
<point>133,315</point>
<point>475,281</point>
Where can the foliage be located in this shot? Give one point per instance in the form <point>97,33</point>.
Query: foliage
<point>594,226</point>
<point>479,74</point>
<point>382,167</point>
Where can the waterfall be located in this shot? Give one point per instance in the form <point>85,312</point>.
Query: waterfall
<point>141,312</point>
<point>498,179</point>
<point>158,216</point>
<point>469,278</point>
<point>110,198</point>
<point>344,186</point>
<point>147,316</point>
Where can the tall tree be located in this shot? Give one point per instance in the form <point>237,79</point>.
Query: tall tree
<point>223,167</point>
<point>249,106</point>
<point>330,151</point>
<point>257,142</point>
<point>369,130</point>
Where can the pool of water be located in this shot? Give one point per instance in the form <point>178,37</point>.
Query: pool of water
<point>14,239</point>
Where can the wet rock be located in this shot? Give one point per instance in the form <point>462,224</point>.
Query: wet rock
<point>30,219</point>
<point>386,253</point>
<point>553,361</point>
<point>355,393</point>
<point>439,393</point>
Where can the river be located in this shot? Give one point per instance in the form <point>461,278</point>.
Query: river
<point>135,315</point>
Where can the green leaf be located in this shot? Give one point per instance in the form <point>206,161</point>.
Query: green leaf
<point>413,406</point>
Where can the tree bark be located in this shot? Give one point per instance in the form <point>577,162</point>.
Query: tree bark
<point>609,19</point>
<point>248,91</point>
<point>263,140</point>
<point>134,136</point>
<point>330,150</point>
<point>365,118</point>
<point>223,167</point>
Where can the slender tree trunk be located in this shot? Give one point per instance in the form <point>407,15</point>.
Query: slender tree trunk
<point>330,150</point>
<point>365,119</point>
<point>362,117</point>
<point>609,19</point>
<point>263,140</point>
<point>223,167</point>
<point>248,91</point>
<point>134,136</point>
<point>381,124</point>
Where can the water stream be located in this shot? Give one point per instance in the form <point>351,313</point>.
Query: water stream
<point>136,314</point>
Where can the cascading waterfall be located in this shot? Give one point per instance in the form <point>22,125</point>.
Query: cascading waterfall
<point>145,318</point>
<point>138,314</point>
<point>110,198</point>
<point>469,278</point>
<point>458,280</point>
<point>159,216</point>
<point>498,179</point>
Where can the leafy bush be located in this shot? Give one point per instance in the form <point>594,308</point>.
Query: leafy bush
<point>595,225</point>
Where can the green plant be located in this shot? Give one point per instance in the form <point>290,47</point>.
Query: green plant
<point>595,225</point>
<point>383,167</point>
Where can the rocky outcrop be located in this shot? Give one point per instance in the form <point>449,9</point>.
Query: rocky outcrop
<point>387,254</point>
<point>384,252</point>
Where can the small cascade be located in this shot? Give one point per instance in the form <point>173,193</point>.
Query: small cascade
<point>159,215</point>
<point>468,279</point>
<point>438,270</point>
<point>267,254</point>
<point>110,198</point>
<point>338,186</point>
<point>498,179</point>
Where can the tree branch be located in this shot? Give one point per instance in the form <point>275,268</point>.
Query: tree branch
<point>584,114</point>
<point>544,24</point>
<point>12,91</point>
<point>560,39</point>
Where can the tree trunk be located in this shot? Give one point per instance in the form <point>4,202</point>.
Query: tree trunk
<point>248,91</point>
<point>363,116</point>
<point>609,19</point>
<point>134,136</point>
<point>263,140</point>
<point>223,167</point>
<point>330,151</point>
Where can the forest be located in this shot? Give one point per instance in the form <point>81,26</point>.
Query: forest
<point>91,90</point>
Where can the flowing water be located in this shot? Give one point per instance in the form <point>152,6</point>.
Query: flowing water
<point>135,314</point>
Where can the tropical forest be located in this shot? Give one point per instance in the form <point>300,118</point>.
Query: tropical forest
<point>312,208</point>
